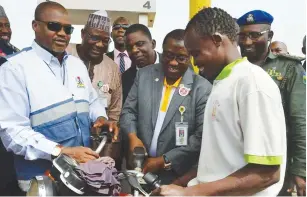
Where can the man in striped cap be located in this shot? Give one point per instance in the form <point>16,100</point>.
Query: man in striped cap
<point>103,71</point>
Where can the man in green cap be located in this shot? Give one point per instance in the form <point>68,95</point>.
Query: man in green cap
<point>288,73</point>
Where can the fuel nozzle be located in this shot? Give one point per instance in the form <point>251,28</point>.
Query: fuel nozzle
<point>139,156</point>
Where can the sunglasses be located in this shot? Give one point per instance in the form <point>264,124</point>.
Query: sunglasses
<point>57,27</point>
<point>118,26</point>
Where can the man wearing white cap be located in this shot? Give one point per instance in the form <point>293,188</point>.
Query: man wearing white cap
<point>103,71</point>
<point>5,36</point>
<point>8,184</point>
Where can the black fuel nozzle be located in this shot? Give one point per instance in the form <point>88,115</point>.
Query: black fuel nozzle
<point>139,156</point>
<point>152,180</point>
<point>103,131</point>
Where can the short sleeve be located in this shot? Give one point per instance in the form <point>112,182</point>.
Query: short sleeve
<point>263,126</point>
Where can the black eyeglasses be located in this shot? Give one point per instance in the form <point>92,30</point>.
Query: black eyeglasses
<point>254,36</point>
<point>181,59</point>
<point>96,39</point>
<point>56,27</point>
<point>118,26</point>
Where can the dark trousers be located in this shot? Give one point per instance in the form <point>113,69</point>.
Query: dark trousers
<point>8,180</point>
<point>285,187</point>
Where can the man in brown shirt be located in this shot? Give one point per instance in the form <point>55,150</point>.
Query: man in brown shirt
<point>103,71</point>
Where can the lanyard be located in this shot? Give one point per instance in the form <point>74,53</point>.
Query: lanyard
<point>64,70</point>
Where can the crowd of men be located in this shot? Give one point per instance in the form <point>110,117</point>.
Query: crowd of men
<point>238,127</point>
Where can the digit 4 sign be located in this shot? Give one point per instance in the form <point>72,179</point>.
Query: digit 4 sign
<point>147,5</point>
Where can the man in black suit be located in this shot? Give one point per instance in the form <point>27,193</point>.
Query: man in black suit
<point>119,55</point>
<point>141,50</point>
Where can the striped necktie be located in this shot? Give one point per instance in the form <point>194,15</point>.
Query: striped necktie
<point>122,62</point>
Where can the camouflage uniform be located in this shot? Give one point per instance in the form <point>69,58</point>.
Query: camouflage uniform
<point>289,75</point>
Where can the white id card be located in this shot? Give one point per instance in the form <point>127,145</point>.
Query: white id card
<point>103,100</point>
<point>181,133</point>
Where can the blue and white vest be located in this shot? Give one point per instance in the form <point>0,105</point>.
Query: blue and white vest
<point>60,113</point>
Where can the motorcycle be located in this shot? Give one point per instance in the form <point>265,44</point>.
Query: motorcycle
<point>63,180</point>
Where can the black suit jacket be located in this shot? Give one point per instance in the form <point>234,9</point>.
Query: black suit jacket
<point>128,78</point>
<point>111,55</point>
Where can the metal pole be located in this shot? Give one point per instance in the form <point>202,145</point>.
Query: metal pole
<point>195,6</point>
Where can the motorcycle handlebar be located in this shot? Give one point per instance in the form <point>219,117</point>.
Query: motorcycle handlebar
<point>102,143</point>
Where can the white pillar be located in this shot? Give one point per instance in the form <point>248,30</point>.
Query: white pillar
<point>143,19</point>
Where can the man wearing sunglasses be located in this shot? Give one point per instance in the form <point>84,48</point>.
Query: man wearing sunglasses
<point>47,101</point>
<point>120,55</point>
<point>164,111</point>
<point>288,73</point>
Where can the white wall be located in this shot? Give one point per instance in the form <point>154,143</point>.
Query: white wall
<point>289,25</point>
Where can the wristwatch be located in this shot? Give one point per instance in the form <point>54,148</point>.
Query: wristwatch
<point>56,151</point>
<point>167,163</point>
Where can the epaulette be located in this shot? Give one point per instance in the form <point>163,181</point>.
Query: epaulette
<point>291,57</point>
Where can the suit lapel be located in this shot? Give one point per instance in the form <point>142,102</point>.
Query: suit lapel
<point>157,87</point>
<point>177,99</point>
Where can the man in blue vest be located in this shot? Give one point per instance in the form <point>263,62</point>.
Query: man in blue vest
<point>47,101</point>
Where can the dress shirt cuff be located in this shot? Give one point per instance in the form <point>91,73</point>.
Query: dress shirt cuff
<point>97,113</point>
<point>46,145</point>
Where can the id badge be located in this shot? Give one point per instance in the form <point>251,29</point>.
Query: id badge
<point>103,99</point>
<point>181,133</point>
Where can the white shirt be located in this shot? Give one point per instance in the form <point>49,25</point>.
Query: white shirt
<point>126,59</point>
<point>243,123</point>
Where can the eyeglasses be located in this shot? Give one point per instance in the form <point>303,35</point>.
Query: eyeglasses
<point>57,27</point>
<point>96,39</point>
<point>254,36</point>
<point>118,26</point>
<point>181,59</point>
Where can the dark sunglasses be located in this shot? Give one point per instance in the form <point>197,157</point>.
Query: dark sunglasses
<point>118,26</point>
<point>56,27</point>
